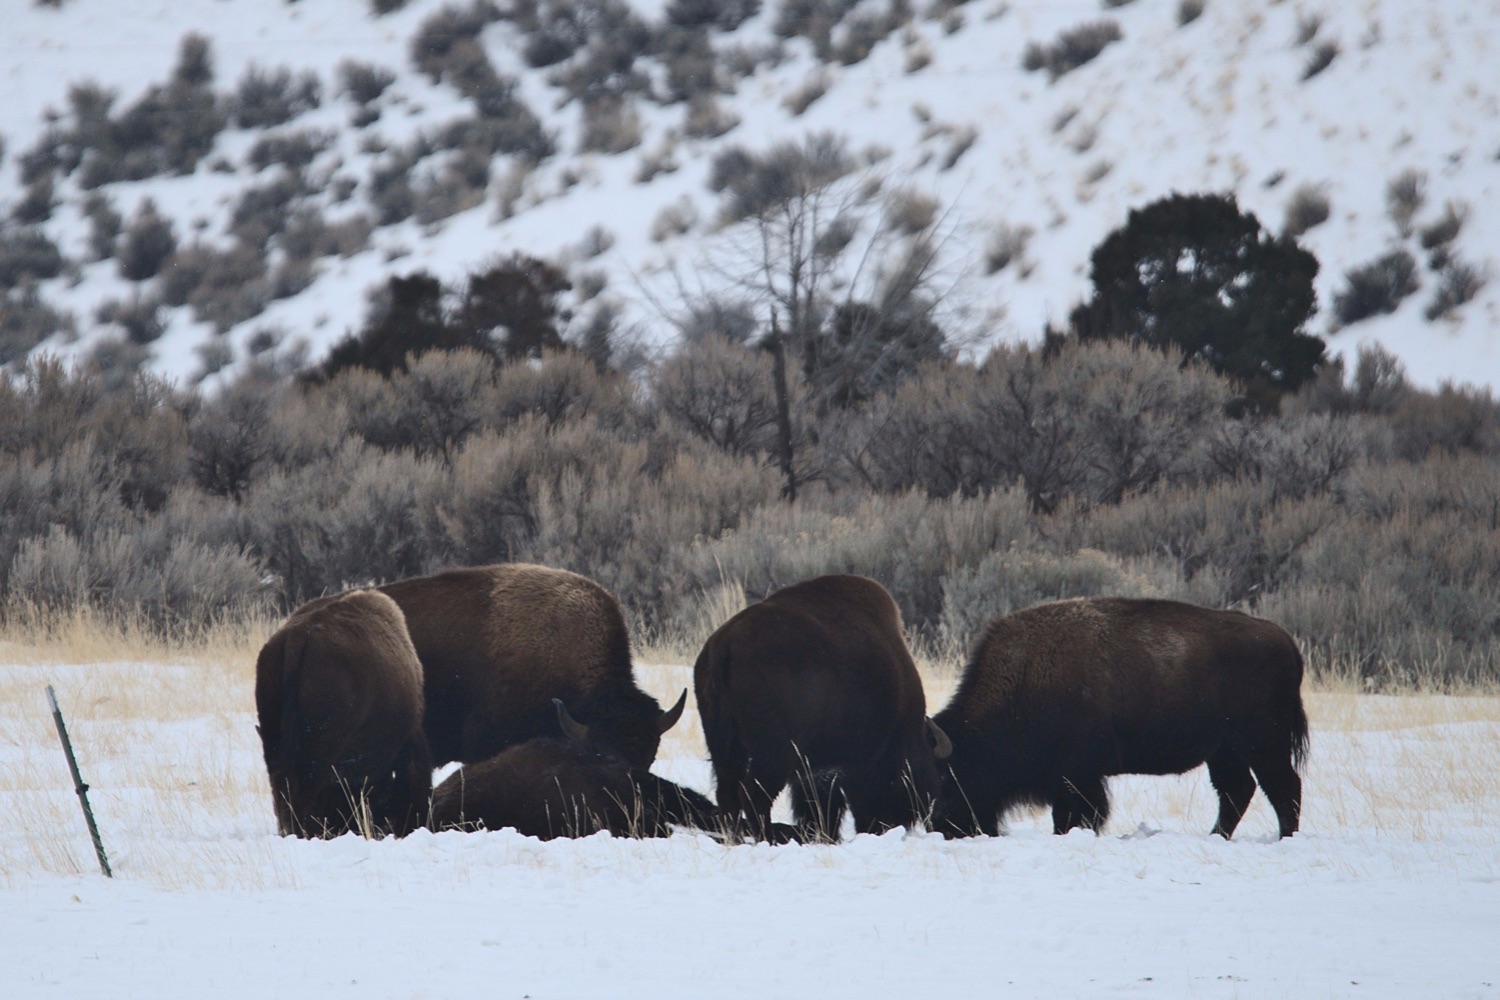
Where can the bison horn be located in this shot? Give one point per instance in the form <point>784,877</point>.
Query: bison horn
<point>571,727</point>
<point>942,746</point>
<point>670,716</point>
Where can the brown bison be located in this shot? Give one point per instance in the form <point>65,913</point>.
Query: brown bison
<point>1058,697</point>
<point>338,692</point>
<point>498,643</point>
<point>550,788</point>
<point>814,686</point>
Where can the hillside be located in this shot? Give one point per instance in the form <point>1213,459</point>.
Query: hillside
<point>602,161</point>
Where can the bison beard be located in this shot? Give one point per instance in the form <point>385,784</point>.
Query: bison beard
<point>549,788</point>
<point>1058,697</point>
<point>814,686</point>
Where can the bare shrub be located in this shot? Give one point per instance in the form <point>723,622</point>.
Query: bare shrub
<point>611,124</point>
<point>1232,541</point>
<point>563,387</point>
<point>1379,380</point>
<point>1308,208</point>
<point>105,224</point>
<point>1189,11</point>
<point>265,98</point>
<point>139,316</point>
<point>26,320</point>
<point>1308,26</point>
<point>37,203</point>
<point>721,392</point>
<point>1458,282</point>
<point>294,149</point>
<point>862,31</point>
<point>359,516</point>
<point>803,97</point>
<point>263,209</point>
<point>27,254</point>
<point>1445,228</point>
<point>1405,195</point>
<point>908,542</point>
<point>1453,419</point>
<point>147,243</point>
<point>1018,577</point>
<point>232,286</point>
<point>1320,58</point>
<point>675,219</point>
<point>1293,458</point>
<point>228,440</point>
<point>1007,244</point>
<point>1099,423</point>
<point>691,66</point>
<point>725,15</point>
<point>1376,288</point>
<point>751,184</point>
<point>431,407</point>
<point>362,82</point>
<point>433,45</point>
<point>454,185</point>
<point>1072,49</point>
<point>168,581</point>
<point>706,118</point>
<point>910,211</point>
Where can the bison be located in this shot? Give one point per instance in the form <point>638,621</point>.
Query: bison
<point>498,643</point>
<point>548,788</point>
<point>338,692</point>
<point>814,686</point>
<point>1058,697</point>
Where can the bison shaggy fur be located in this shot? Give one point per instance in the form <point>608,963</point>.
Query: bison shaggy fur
<point>549,788</point>
<point>499,643</point>
<point>814,686</point>
<point>338,692</point>
<point>1058,697</point>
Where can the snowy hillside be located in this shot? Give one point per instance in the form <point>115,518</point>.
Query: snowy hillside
<point>1267,100</point>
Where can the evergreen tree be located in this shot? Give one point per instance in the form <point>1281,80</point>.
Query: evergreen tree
<point>1196,272</point>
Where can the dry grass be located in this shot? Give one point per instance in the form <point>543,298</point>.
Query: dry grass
<point>164,732</point>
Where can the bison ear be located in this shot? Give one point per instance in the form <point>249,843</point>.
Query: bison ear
<point>670,716</point>
<point>942,746</point>
<point>571,727</point>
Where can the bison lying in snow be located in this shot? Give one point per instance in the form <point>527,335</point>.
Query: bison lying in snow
<point>338,692</point>
<point>550,788</point>
<point>1058,697</point>
<point>814,686</point>
<point>498,643</point>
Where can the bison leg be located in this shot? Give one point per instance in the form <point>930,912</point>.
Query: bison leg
<point>1283,788</point>
<point>1231,779</point>
<point>748,788</point>
<point>818,804</point>
<point>411,792</point>
<point>1080,802</point>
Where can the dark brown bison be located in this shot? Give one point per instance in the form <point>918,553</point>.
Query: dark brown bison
<point>550,788</point>
<point>814,686</point>
<point>1058,697</point>
<point>498,643</point>
<point>338,691</point>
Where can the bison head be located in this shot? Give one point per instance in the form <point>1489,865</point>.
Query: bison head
<point>626,729</point>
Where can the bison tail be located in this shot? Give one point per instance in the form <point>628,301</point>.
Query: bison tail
<point>1298,731</point>
<point>1295,717</point>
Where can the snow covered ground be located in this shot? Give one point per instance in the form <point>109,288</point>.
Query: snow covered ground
<point>1392,889</point>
